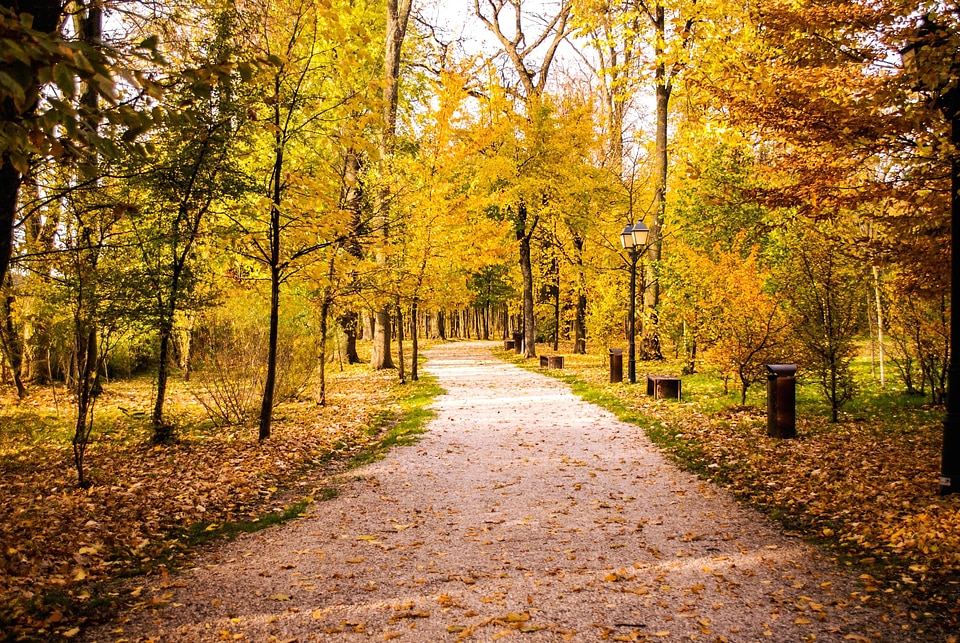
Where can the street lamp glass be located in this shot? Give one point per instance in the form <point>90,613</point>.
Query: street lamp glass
<point>626,237</point>
<point>640,231</point>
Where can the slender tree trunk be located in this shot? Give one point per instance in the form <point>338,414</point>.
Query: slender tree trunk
<point>398,13</point>
<point>524,236</point>
<point>556,314</point>
<point>414,368</point>
<point>270,381</point>
<point>324,316</point>
<point>880,327</point>
<point>12,344</point>
<point>90,25</point>
<point>161,432</point>
<point>441,325</point>
<point>580,312</point>
<point>400,366</point>
<point>86,394</point>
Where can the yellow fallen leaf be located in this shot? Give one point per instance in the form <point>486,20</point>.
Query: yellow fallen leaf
<point>80,575</point>
<point>71,632</point>
<point>356,560</point>
<point>280,597</point>
<point>662,633</point>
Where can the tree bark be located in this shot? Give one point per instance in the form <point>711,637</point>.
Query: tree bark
<point>273,261</point>
<point>348,324</point>
<point>398,14</point>
<point>401,372</point>
<point>324,315</point>
<point>580,314</point>
<point>414,368</point>
<point>12,344</point>
<point>526,270</point>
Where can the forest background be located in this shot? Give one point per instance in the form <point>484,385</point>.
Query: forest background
<point>216,201</point>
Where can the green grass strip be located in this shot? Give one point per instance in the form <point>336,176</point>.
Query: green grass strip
<point>405,425</point>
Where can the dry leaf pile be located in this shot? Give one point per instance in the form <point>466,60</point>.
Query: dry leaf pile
<point>57,539</point>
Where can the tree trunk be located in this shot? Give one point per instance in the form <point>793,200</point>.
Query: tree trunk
<point>270,382</point>
<point>381,357</point>
<point>414,369</point>
<point>441,325</point>
<point>651,293</point>
<point>556,314</point>
<point>401,372</point>
<point>398,13</point>
<point>87,390</point>
<point>349,322</point>
<point>46,18</point>
<point>324,315</point>
<point>526,270</point>
<point>880,328</point>
<point>12,343</point>
<point>162,433</point>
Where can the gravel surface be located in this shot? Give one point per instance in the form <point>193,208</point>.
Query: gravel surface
<point>524,513</point>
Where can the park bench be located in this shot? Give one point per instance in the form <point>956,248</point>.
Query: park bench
<point>551,361</point>
<point>663,387</point>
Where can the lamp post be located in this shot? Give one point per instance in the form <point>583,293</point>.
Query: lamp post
<point>633,238</point>
<point>931,36</point>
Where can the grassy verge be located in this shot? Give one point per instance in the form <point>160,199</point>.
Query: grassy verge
<point>405,424</point>
<point>863,488</point>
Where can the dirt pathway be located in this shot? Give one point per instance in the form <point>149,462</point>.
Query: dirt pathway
<point>524,513</point>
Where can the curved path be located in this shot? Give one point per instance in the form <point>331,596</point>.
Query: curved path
<point>524,512</point>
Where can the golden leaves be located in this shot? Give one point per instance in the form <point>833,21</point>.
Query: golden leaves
<point>57,537</point>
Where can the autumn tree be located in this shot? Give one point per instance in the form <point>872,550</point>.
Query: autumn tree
<point>398,15</point>
<point>530,59</point>
<point>826,299</point>
<point>191,172</point>
<point>302,96</point>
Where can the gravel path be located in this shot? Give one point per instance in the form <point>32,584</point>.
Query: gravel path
<point>524,513</point>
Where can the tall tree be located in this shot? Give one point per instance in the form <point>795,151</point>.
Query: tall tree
<point>304,95</point>
<point>506,20</point>
<point>398,15</point>
<point>190,174</point>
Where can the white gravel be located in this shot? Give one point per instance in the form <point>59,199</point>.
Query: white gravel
<point>525,513</point>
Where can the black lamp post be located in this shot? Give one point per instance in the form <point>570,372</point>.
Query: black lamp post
<point>929,37</point>
<point>633,238</point>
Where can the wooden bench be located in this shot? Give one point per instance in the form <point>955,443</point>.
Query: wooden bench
<point>551,361</point>
<point>663,387</point>
<point>508,345</point>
